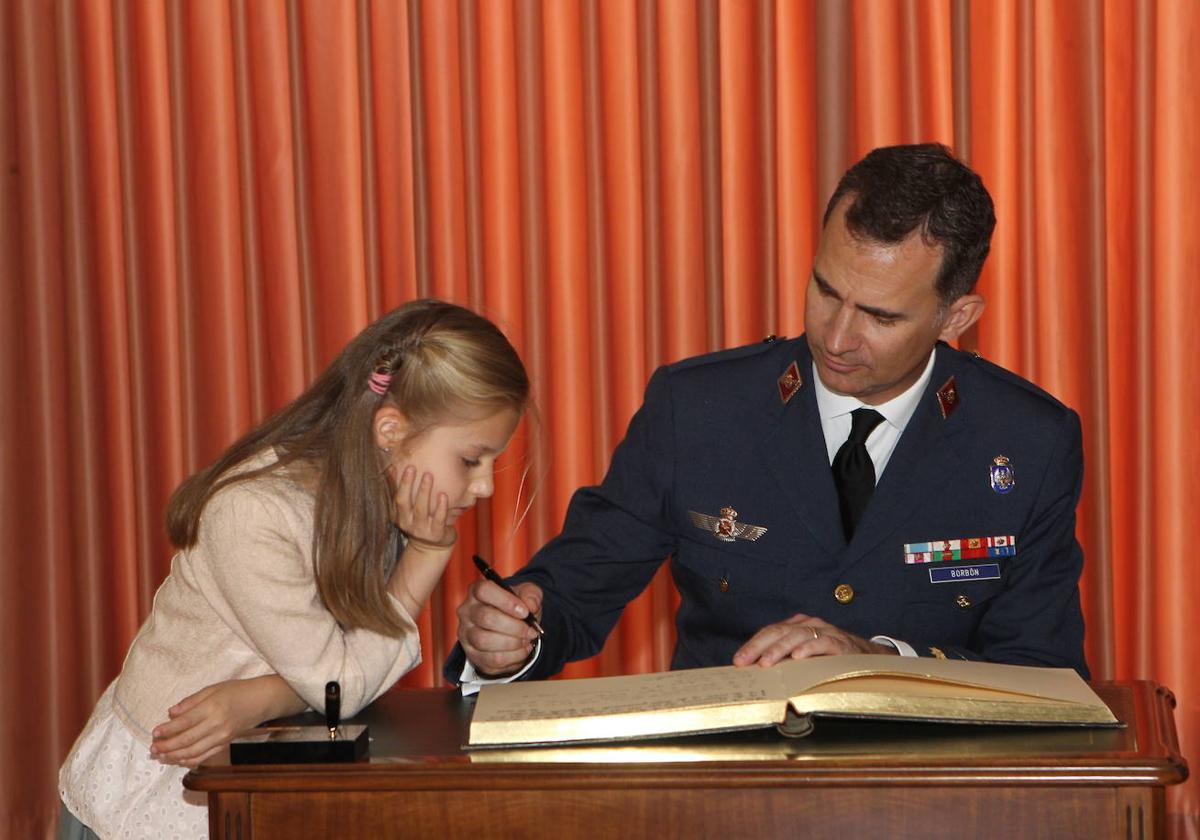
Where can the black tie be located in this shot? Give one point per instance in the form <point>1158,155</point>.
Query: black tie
<point>853,472</point>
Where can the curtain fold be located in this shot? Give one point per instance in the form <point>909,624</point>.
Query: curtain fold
<point>204,201</point>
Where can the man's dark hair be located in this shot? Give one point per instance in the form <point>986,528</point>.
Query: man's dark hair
<point>895,190</point>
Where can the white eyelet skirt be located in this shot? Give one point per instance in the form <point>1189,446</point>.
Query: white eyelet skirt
<point>114,787</point>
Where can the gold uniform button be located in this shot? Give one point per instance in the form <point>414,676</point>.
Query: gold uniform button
<point>723,585</point>
<point>770,339</point>
<point>843,593</point>
<point>963,601</point>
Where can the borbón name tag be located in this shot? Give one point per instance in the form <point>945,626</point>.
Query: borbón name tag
<point>960,574</point>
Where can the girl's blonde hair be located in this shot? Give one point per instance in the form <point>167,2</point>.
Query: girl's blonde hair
<point>435,361</point>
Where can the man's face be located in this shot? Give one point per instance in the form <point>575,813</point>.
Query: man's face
<point>872,315</point>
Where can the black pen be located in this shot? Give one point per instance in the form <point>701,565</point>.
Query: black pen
<point>333,707</point>
<point>490,573</point>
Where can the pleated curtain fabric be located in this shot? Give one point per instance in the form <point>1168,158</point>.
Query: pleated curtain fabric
<point>203,201</point>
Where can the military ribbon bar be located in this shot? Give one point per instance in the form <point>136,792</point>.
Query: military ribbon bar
<point>967,548</point>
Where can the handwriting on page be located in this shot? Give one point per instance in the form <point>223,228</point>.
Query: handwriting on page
<point>618,695</point>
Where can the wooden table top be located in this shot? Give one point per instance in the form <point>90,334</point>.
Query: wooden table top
<point>417,737</point>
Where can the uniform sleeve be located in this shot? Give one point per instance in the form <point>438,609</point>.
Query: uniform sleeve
<point>263,587</point>
<point>614,538</point>
<point>1037,619</point>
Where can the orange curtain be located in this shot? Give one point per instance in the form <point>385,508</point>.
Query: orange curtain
<point>203,201</point>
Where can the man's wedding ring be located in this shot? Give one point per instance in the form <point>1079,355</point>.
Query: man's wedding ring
<point>816,634</point>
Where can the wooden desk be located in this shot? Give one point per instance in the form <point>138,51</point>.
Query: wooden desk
<point>845,781</point>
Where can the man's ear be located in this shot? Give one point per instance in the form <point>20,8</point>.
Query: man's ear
<point>390,427</point>
<point>960,315</point>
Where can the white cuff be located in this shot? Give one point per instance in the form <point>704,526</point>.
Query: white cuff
<point>470,682</point>
<point>902,648</point>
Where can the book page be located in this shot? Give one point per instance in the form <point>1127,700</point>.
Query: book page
<point>838,673</point>
<point>695,688</point>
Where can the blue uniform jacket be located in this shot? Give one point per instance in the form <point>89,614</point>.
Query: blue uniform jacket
<point>714,432</point>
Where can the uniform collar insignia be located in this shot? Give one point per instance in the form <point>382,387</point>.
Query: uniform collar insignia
<point>948,398</point>
<point>789,383</point>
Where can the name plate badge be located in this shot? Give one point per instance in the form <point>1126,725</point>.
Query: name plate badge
<point>959,574</point>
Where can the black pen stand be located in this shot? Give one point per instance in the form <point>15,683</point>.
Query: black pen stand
<point>300,745</point>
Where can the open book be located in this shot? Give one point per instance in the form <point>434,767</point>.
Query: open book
<point>787,695</point>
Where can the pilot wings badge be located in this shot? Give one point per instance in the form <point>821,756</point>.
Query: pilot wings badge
<point>725,527</point>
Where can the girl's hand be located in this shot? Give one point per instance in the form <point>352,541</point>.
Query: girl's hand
<point>420,516</point>
<point>429,540</point>
<point>206,721</point>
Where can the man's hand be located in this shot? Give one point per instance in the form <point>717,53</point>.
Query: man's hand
<point>801,636</point>
<point>202,723</point>
<point>492,628</point>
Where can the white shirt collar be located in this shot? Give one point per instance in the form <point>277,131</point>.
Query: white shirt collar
<point>897,411</point>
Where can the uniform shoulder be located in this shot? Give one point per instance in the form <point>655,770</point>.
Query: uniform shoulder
<point>995,376</point>
<point>770,344</point>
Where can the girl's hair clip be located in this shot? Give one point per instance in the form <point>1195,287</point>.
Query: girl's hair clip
<point>380,381</point>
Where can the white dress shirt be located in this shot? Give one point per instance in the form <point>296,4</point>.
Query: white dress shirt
<point>835,417</point>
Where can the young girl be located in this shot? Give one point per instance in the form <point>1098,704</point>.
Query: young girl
<point>305,554</point>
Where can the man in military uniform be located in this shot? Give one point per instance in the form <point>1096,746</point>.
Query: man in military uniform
<point>863,489</point>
